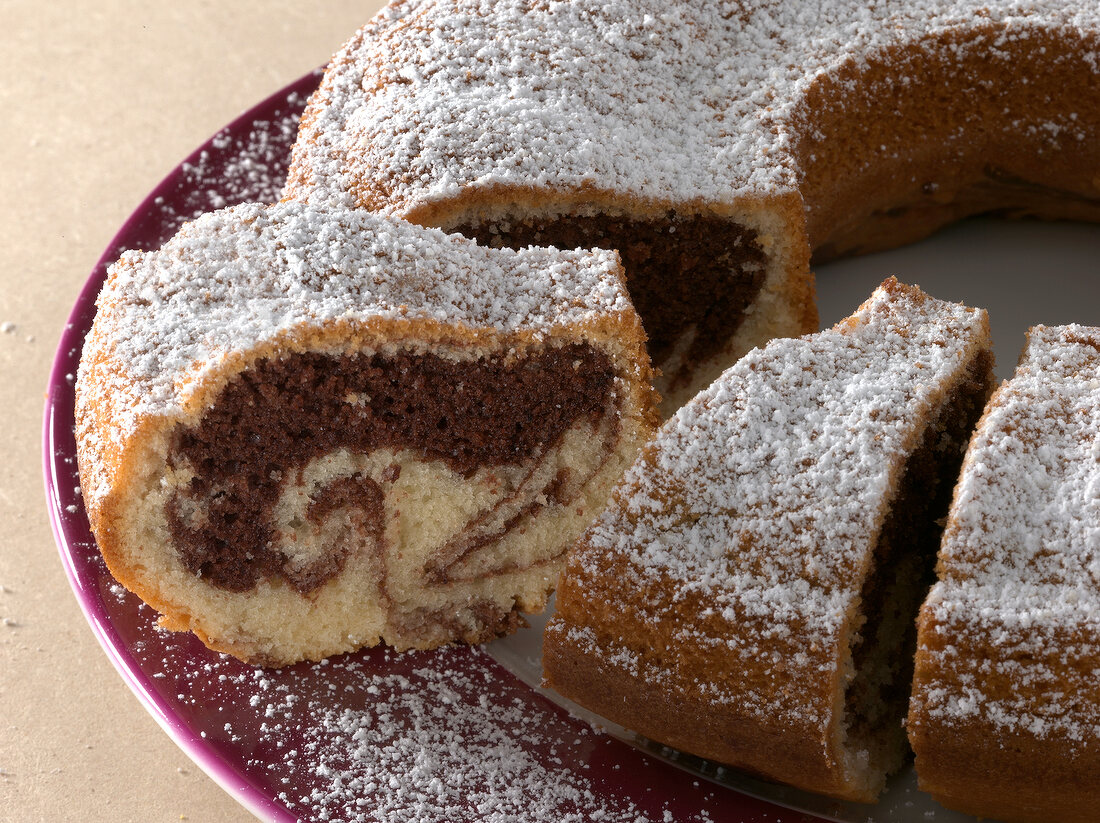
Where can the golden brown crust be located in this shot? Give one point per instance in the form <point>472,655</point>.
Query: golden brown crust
<point>634,685</point>
<point>893,148</point>
<point>988,770</point>
<point>1005,711</point>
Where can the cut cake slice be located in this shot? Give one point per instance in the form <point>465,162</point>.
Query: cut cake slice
<point>303,431</point>
<point>748,594</point>
<point>1005,715</point>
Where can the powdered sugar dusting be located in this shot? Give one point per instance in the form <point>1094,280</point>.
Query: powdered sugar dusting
<point>240,277</point>
<point>425,737</point>
<point>438,741</point>
<point>680,102</point>
<point>422,750</point>
<point>1020,565</point>
<point>237,165</point>
<point>763,497</point>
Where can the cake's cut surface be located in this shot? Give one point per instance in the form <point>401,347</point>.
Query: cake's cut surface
<point>745,595</point>
<point>303,431</point>
<point>712,143</point>
<point>1005,716</point>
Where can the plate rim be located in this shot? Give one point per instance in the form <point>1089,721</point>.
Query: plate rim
<point>60,397</point>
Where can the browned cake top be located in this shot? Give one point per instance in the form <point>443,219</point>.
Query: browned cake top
<point>1020,565</point>
<point>763,497</point>
<point>680,101</point>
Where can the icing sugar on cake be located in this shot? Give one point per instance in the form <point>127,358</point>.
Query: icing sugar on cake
<point>819,425</point>
<point>715,145</point>
<point>1005,717</point>
<point>743,595</point>
<point>214,291</point>
<point>666,101</point>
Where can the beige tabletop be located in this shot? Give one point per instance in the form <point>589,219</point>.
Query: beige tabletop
<point>100,101</point>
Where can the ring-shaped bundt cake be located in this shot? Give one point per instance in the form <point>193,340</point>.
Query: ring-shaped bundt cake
<point>715,145</point>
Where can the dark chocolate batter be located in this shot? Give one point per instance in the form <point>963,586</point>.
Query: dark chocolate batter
<point>271,421</point>
<point>682,272</point>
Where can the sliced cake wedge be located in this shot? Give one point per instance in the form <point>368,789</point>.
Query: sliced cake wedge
<point>748,596</point>
<point>303,431</point>
<point>1005,715</point>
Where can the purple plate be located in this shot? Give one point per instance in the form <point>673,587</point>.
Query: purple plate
<point>443,735</point>
<point>464,733</point>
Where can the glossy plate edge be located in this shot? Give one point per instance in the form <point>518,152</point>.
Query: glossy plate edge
<point>58,424</point>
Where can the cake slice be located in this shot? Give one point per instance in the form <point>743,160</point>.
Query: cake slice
<point>1005,715</point>
<point>301,431</point>
<point>748,594</point>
